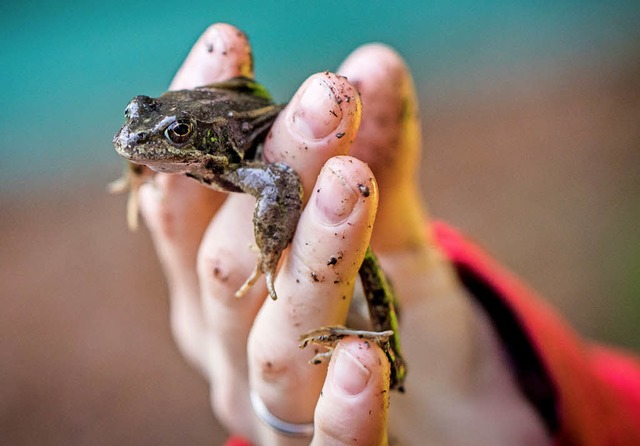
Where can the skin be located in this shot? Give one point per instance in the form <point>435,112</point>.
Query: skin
<point>460,390</point>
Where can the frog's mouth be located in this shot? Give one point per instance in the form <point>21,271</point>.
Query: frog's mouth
<point>163,165</point>
<point>137,148</point>
<point>166,166</point>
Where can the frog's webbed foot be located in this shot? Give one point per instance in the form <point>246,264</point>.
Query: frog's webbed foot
<point>329,336</point>
<point>278,191</point>
<point>132,178</point>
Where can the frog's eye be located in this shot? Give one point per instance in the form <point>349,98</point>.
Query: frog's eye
<point>179,131</point>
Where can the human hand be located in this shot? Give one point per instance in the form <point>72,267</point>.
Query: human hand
<point>459,387</point>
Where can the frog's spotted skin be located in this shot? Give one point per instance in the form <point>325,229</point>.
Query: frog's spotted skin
<point>214,135</point>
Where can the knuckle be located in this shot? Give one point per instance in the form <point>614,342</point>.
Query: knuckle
<point>219,271</point>
<point>330,432</point>
<point>271,365</point>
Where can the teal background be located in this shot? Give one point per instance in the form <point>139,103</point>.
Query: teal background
<point>69,68</point>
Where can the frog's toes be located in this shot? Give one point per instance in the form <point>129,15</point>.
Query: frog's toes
<point>270,285</point>
<point>251,280</point>
<point>268,264</point>
<point>322,357</point>
<point>120,185</point>
<point>330,336</point>
<point>321,337</point>
<point>132,178</point>
<point>133,210</point>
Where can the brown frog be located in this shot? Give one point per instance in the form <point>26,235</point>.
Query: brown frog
<point>214,134</point>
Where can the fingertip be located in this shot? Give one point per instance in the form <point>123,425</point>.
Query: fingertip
<point>349,375</point>
<point>373,58</point>
<point>355,353</point>
<point>390,141</point>
<point>333,233</point>
<point>221,52</point>
<point>320,121</point>
<point>331,239</point>
<point>343,181</point>
<point>389,137</point>
<point>355,397</point>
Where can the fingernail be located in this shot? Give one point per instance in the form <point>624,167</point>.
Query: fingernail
<point>317,113</point>
<point>335,199</point>
<point>349,374</point>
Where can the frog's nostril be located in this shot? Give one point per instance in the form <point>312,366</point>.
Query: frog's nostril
<point>126,138</point>
<point>134,138</point>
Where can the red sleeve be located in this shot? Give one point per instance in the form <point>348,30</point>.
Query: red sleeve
<point>237,441</point>
<point>586,395</point>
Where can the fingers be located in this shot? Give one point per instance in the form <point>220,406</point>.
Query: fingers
<point>177,209</point>
<point>318,123</point>
<point>389,140</point>
<point>352,408</point>
<point>315,285</point>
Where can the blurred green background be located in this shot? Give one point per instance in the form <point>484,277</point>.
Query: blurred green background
<point>532,137</point>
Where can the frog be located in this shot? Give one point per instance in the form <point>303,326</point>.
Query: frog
<point>214,134</point>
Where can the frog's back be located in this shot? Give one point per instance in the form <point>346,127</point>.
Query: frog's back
<point>222,99</point>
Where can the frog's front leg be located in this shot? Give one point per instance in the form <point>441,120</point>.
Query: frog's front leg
<point>132,178</point>
<point>330,336</point>
<point>278,191</point>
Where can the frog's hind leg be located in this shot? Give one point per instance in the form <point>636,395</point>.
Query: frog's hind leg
<point>382,304</point>
<point>329,336</point>
<point>278,191</point>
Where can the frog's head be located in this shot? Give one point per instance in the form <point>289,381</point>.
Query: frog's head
<point>158,134</point>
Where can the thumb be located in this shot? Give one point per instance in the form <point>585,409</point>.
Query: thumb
<point>352,408</point>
